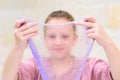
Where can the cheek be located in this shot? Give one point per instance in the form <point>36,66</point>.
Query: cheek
<point>70,43</point>
<point>48,43</point>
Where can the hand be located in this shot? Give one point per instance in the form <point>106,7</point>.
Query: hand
<point>23,31</point>
<point>95,31</point>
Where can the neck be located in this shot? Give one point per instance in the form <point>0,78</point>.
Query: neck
<point>64,60</point>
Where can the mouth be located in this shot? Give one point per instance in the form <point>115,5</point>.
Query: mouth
<point>58,49</point>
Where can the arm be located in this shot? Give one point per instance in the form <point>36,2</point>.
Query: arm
<point>22,34</point>
<point>113,55</point>
<point>96,32</point>
<point>12,63</point>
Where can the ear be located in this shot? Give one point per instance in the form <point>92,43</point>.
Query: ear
<point>75,37</point>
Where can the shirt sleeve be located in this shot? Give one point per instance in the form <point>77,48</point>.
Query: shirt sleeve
<point>28,70</point>
<point>99,70</point>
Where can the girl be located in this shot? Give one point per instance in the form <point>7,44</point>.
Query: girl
<point>59,41</point>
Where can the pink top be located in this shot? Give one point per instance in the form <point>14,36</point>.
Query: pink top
<point>94,70</point>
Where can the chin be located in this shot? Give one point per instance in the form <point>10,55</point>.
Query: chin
<point>59,55</point>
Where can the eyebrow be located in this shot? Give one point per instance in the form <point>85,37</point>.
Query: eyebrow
<point>64,24</point>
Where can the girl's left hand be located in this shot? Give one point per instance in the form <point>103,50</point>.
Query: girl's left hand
<point>95,31</point>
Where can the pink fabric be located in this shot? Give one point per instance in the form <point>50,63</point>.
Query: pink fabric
<point>94,70</point>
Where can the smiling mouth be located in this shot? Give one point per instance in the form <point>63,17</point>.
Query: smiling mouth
<point>58,49</point>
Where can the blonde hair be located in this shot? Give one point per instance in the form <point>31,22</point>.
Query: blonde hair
<point>60,14</point>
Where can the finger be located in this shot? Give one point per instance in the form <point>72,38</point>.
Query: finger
<point>29,36</point>
<point>90,31</point>
<point>90,19</point>
<point>86,24</point>
<point>30,31</point>
<point>28,25</point>
<point>91,35</point>
<point>19,22</point>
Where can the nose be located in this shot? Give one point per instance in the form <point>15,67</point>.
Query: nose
<point>58,41</point>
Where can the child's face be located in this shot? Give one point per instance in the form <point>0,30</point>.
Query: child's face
<point>59,40</point>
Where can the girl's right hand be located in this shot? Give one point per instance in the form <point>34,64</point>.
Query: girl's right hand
<point>23,31</point>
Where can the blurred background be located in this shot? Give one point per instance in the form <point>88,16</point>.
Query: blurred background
<point>107,13</point>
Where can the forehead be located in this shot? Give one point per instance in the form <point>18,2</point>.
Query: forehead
<point>66,28</point>
<point>58,21</point>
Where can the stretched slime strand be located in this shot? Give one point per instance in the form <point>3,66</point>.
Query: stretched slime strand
<point>37,57</point>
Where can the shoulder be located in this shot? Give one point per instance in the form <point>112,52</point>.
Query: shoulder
<point>92,61</point>
<point>95,66</point>
<point>29,70</point>
<point>29,66</point>
<point>30,62</point>
<point>97,63</point>
<point>97,69</point>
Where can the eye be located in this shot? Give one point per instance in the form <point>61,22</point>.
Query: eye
<point>51,36</point>
<point>65,36</point>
